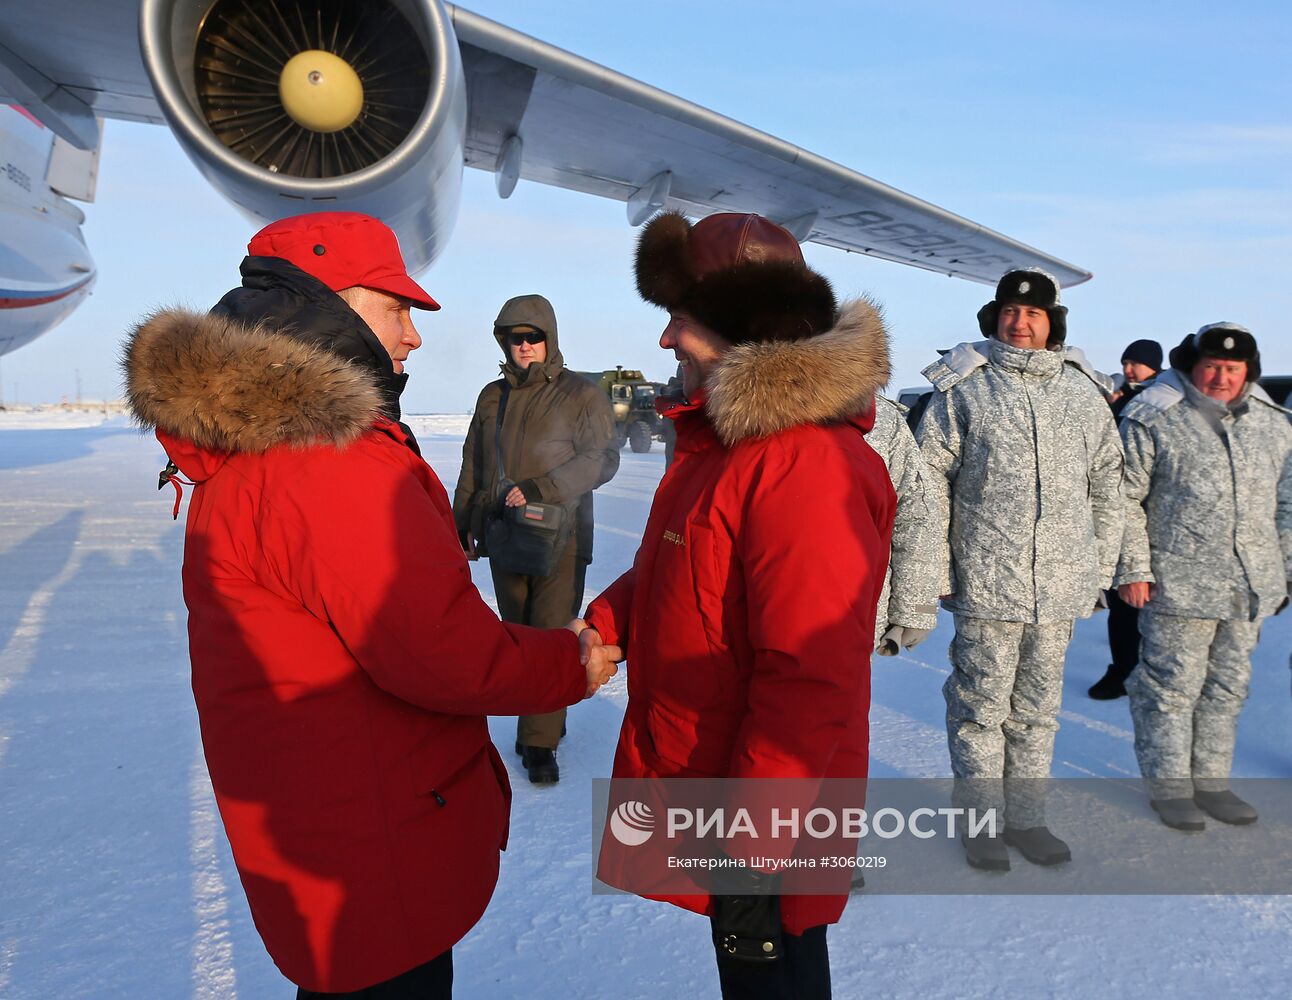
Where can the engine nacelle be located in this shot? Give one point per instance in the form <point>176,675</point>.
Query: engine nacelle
<point>280,140</point>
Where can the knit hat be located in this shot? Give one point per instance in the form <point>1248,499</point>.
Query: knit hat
<point>1144,352</point>
<point>1219,340</point>
<point>1029,286</point>
<point>742,276</point>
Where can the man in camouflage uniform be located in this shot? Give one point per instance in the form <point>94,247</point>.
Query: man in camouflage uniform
<point>907,610</point>
<point>1207,555</point>
<point>1024,475</point>
<point>1141,362</point>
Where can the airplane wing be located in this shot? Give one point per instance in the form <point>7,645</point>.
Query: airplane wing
<point>539,113</point>
<point>70,60</point>
<point>584,127</point>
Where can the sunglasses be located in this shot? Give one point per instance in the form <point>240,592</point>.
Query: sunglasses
<point>516,339</point>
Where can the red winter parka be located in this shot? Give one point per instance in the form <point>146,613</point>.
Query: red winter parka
<point>748,616</point>
<point>343,662</point>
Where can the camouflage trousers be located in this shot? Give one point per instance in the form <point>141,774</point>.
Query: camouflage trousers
<point>1003,700</point>
<point>1185,696</point>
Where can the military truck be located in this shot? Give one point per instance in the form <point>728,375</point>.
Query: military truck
<point>632,398</point>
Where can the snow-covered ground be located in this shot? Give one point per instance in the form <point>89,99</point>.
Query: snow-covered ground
<point>42,418</point>
<point>116,881</point>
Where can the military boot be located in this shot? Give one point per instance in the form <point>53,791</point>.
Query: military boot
<point>1179,814</point>
<point>1038,845</point>
<point>1109,687</point>
<point>540,764</point>
<point>985,852</point>
<point>1225,806</point>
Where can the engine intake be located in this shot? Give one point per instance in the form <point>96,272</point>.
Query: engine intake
<point>291,106</point>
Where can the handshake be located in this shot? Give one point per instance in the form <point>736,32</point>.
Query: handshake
<point>597,658</point>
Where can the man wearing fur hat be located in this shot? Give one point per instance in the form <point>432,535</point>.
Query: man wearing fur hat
<point>1024,476</point>
<point>343,663</point>
<point>1207,556</point>
<point>749,613</point>
<point>554,434</point>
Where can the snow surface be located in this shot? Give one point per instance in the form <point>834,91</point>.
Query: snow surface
<point>116,880</point>
<point>51,417</point>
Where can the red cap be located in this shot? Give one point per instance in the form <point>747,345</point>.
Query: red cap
<point>342,249</point>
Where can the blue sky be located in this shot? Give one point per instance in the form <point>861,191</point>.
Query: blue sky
<point>1149,143</point>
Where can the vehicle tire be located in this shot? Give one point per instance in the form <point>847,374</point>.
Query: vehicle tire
<point>639,437</point>
<point>621,436</point>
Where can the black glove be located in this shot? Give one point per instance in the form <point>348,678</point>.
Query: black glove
<point>748,928</point>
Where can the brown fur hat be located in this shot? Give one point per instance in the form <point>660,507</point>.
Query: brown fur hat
<point>742,276</point>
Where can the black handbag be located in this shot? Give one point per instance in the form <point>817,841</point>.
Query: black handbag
<point>528,539</point>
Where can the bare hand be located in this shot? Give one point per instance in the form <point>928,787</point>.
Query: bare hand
<point>1136,594</point>
<point>600,666</point>
<point>597,658</point>
<point>577,625</point>
<point>515,498</point>
<point>470,547</point>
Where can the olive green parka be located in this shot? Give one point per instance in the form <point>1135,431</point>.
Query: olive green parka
<point>558,437</point>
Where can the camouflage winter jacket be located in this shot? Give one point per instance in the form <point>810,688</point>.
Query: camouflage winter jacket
<point>910,592</point>
<point>1208,501</point>
<point>1024,477</point>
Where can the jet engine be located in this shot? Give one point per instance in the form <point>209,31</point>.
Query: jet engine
<point>292,106</point>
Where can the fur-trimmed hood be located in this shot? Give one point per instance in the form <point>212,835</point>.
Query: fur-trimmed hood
<point>759,389</point>
<point>229,387</point>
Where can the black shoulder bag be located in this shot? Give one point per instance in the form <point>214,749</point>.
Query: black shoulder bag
<point>527,539</point>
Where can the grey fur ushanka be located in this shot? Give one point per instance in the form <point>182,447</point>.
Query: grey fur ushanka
<point>1208,501</point>
<point>1024,478</point>
<point>910,595</point>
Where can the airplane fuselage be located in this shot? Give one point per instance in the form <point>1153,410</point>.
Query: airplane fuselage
<point>45,269</point>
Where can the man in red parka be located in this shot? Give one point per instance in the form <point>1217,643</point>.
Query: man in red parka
<point>749,613</point>
<point>343,662</point>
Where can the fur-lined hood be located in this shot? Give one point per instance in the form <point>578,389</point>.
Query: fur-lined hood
<point>759,389</point>
<point>228,387</point>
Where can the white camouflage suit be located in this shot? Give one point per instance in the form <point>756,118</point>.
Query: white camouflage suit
<point>910,594</point>
<point>1024,473</point>
<point>1209,523</point>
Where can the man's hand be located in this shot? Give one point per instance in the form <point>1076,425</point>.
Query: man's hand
<point>1136,594</point>
<point>600,664</point>
<point>515,498</point>
<point>470,547</point>
<point>597,658</point>
<point>899,637</point>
